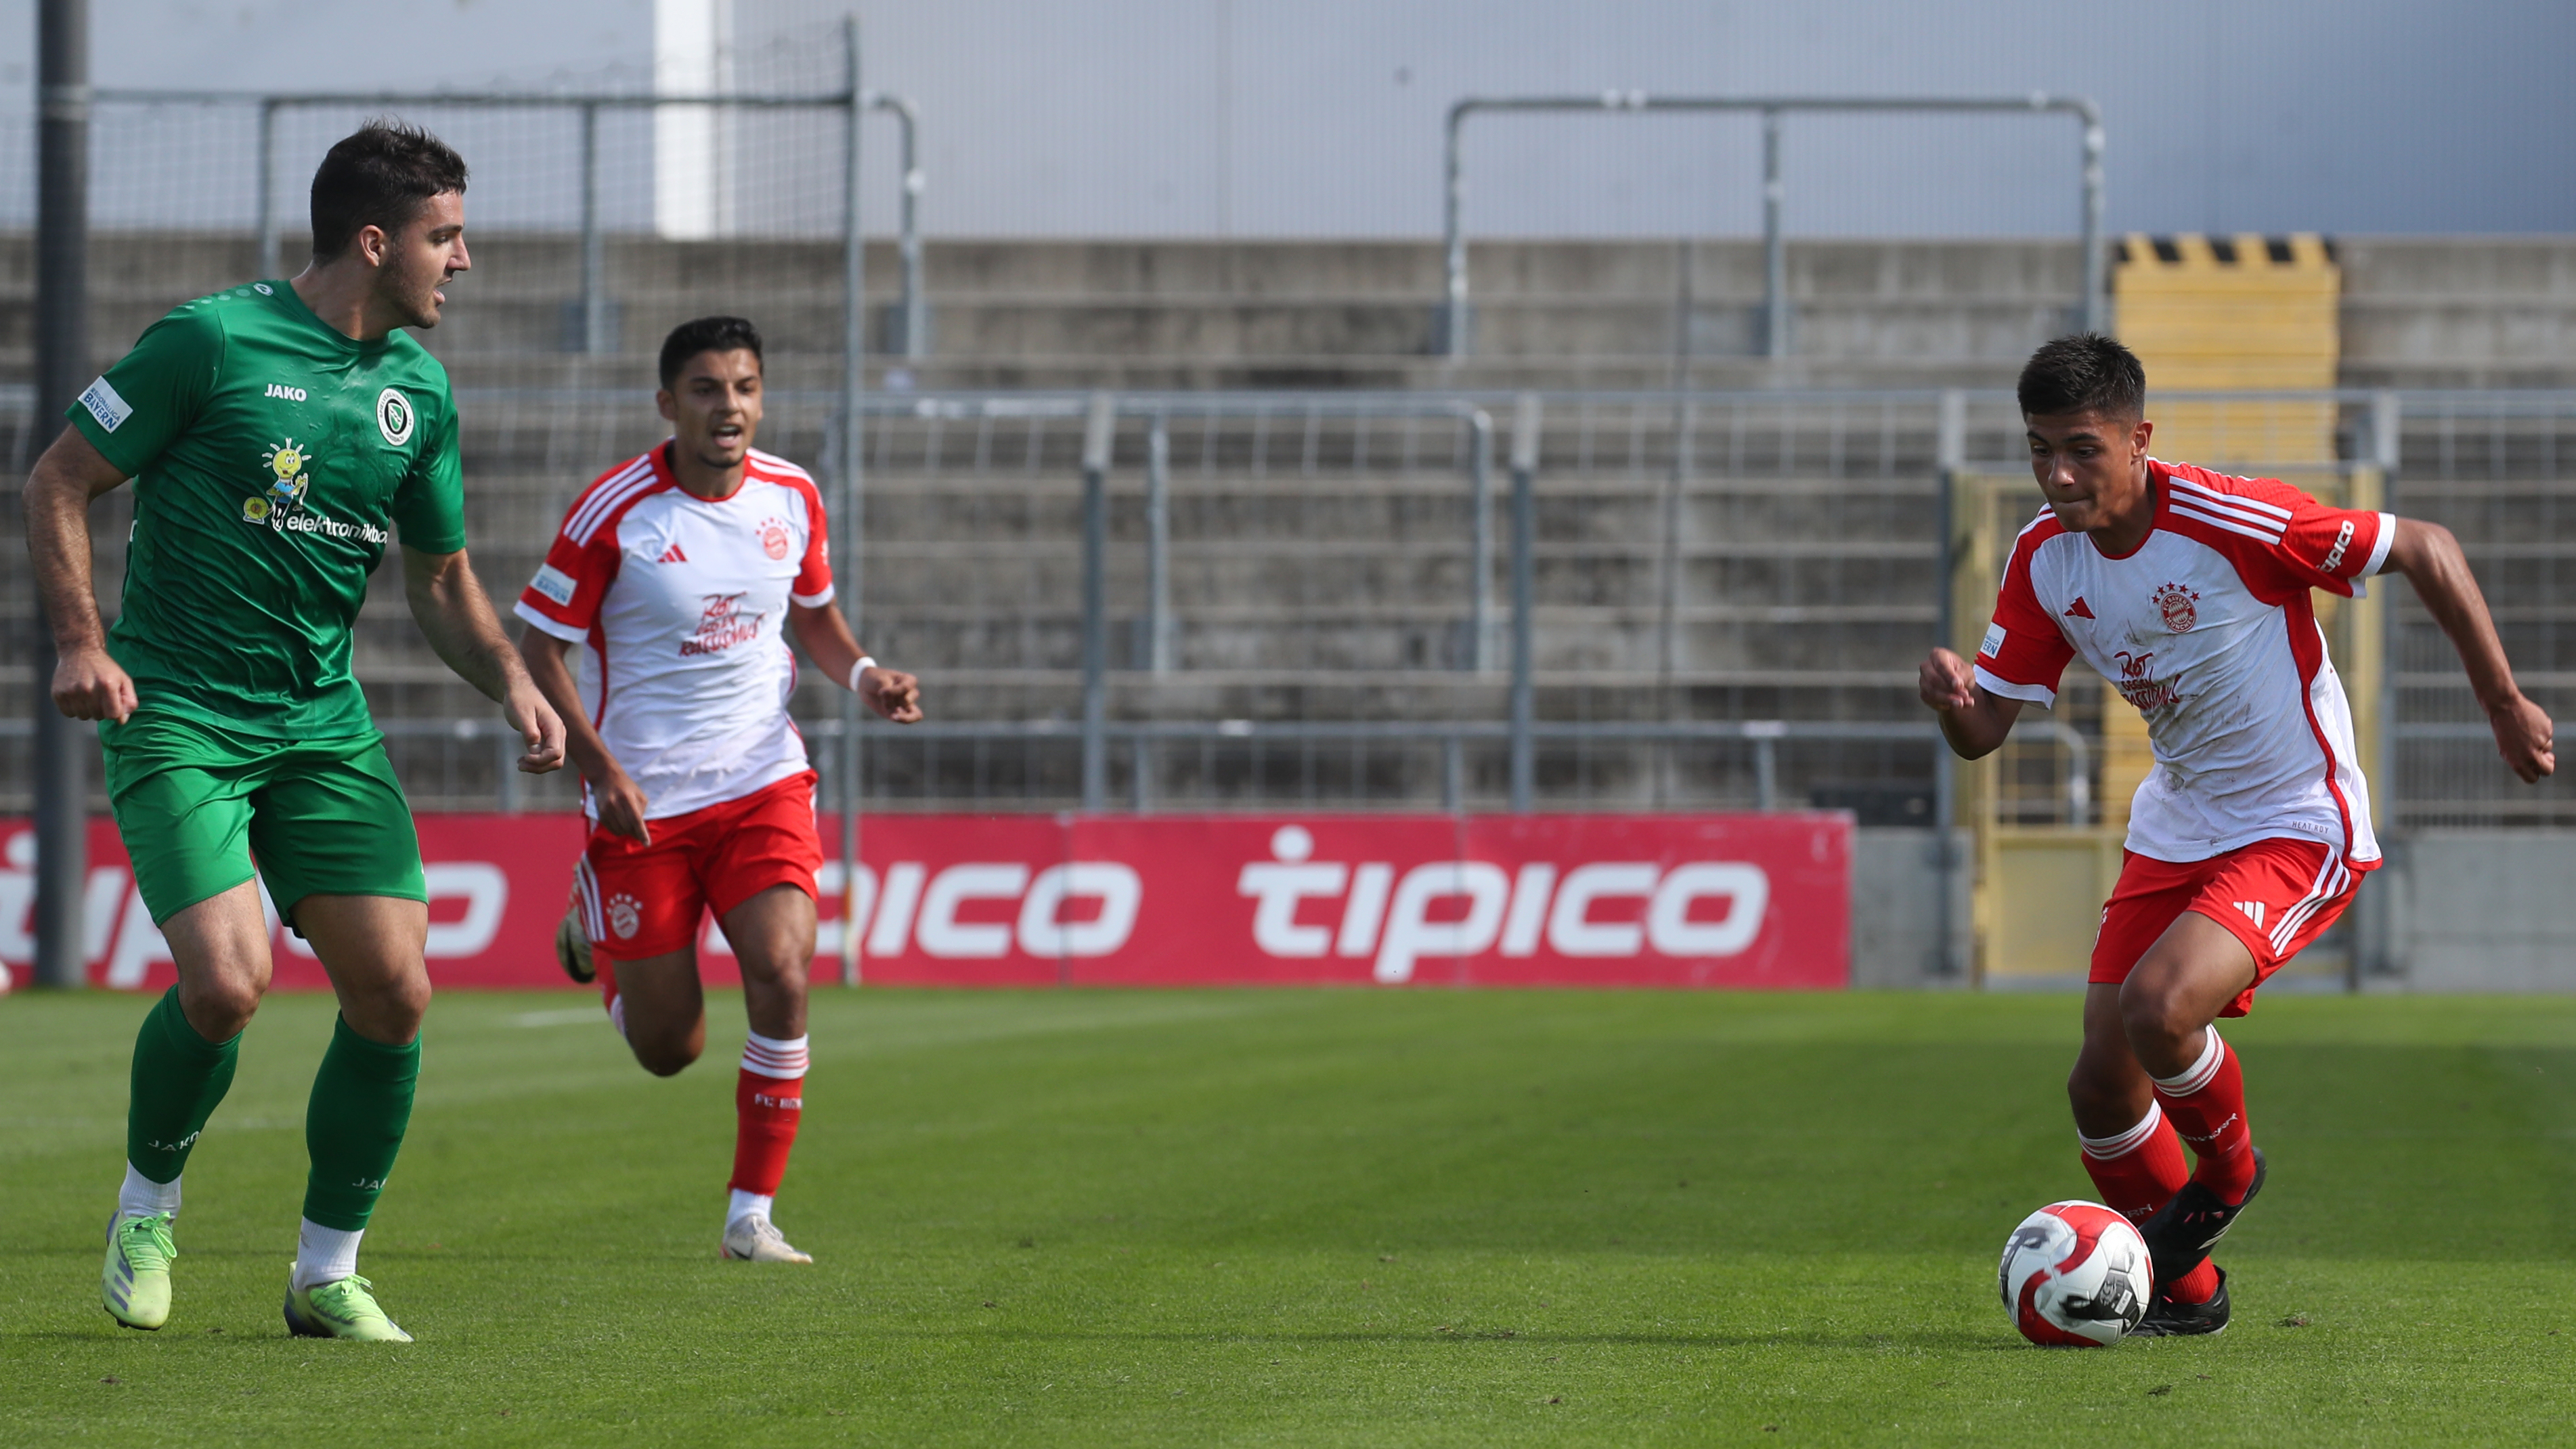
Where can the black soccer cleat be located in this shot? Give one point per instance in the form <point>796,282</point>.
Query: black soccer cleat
<point>2183,1231</point>
<point>2168,1319</point>
<point>572,948</point>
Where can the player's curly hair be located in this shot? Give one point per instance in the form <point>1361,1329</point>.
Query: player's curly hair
<point>707,334</point>
<point>379,175</point>
<point>2084,372</point>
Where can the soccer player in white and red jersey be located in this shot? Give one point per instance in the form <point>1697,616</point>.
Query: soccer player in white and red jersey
<point>2191,591</point>
<point>682,572</point>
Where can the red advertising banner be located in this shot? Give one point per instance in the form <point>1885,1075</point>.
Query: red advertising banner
<point>1747,901</point>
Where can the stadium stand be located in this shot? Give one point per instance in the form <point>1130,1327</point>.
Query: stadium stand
<point>1767,553</point>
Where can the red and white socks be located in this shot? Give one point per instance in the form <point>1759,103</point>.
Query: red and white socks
<point>769,1100</point>
<point>2206,1104</point>
<point>2137,1171</point>
<point>606,977</point>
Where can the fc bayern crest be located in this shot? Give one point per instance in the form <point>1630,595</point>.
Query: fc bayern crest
<point>625,915</point>
<point>2179,606</point>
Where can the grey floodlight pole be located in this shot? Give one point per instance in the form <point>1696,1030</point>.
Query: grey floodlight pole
<point>854,359</point>
<point>596,339</point>
<point>1453,258</point>
<point>1099,434</point>
<point>62,365</point>
<point>1480,543</point>
<point>2096,288</point>
<point>1525,425</point>
<point>915,309</point>
<point>1775,251</point>
<point>269,265</point>
<point>1455,319</point>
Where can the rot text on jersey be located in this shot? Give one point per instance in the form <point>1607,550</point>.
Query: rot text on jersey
<point>2208,628</point>
<point>682,604</point>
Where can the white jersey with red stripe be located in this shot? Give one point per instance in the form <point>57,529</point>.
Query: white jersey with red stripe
<point>2209,629</point>
<point>682,602</point>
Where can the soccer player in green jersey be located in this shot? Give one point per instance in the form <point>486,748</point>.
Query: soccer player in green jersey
<point>279,434</point>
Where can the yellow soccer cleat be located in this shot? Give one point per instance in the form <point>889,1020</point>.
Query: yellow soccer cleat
<point>343,1309</point>
<point>134,1287</point>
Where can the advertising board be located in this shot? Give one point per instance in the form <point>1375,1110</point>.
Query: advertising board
<point>1680,901</point>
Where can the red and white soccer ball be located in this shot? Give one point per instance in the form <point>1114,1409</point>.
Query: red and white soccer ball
<point>2075,1275</point>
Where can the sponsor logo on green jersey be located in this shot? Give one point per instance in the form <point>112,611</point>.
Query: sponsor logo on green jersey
<point>283,508</point>
<point>284,497</point>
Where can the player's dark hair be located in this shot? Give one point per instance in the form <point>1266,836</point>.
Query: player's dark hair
<point>379,175</point>
<point>707,334</point>
<point>2084,372</point>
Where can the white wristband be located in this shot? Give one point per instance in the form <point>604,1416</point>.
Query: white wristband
<point>866,663</point>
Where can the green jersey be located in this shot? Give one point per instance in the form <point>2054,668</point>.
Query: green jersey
<point>273,458</point>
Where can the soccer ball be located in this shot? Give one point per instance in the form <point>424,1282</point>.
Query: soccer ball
<point>2075,1275</point>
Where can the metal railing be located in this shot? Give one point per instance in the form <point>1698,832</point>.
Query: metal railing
<point>1455,317</point>
<point>1335,584</point>
<point>908,322</point>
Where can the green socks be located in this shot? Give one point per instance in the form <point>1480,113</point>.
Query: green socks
<point>352,1128</point>
<point>179,1077</point>
<point>354,1125</point>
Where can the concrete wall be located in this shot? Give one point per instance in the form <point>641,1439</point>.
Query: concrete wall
<point>2482,911</point>
<point>1896,908</point>
<point>2463,910</point>
<point>2416,312</point>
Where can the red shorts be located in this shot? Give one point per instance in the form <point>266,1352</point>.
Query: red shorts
<point>646,900</point>
<point>2275,895</point>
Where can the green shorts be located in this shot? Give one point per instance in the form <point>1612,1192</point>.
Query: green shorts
<point>197,804</point>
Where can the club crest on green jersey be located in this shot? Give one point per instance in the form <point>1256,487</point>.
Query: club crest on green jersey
<point>285,494</point>
<point>394,417</point>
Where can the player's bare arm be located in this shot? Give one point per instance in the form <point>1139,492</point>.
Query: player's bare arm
<point>87,683</point>
<point>456,616</point>
<point>827,640</point>
<point>2431,560</point>
<point>2091,466</point>
<point>620,800</point>
<point>1972,720</point>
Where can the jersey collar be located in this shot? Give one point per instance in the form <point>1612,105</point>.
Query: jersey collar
<point>2161,520</point>
<point>668,474</point>
<point>292,303</point>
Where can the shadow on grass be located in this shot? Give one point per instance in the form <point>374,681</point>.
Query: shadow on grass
<point>1952,1341</point>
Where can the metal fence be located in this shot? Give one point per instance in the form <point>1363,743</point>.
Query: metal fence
<point>1375,601</point>
<point>2500,472</point>
<point>613,204</point>
<point>1456,320</point>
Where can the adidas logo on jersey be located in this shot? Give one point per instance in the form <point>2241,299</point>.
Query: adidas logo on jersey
<point>2077,610</point>
<point>2253,912</point>
<point>672,555</point>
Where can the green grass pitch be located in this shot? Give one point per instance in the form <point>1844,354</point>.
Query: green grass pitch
<point>1322,1217</point>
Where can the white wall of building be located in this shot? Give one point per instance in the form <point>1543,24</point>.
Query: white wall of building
<point>1322,117</point>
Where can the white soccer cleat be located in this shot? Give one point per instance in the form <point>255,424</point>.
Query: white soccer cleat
<point>753,1238</point>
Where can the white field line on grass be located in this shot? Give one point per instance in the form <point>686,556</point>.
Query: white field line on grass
<point>564,1016</point>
